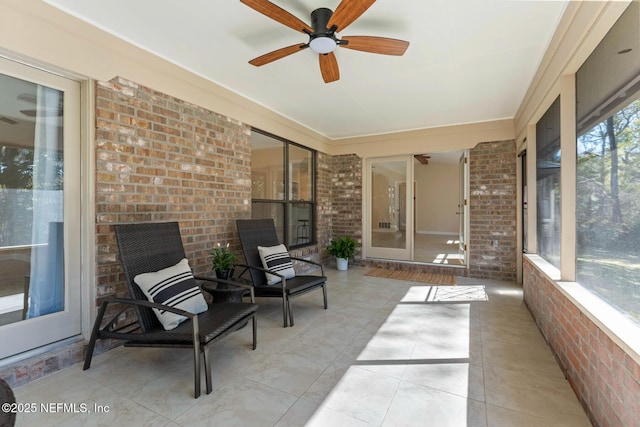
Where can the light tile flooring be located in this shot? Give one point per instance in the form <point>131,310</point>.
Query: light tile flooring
<point>380,356</point>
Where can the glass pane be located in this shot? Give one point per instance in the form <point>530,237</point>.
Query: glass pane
<point>388,190</point>
<point>300,223</point>
<point>267,167</point>
<point>300,173</point>
<point>261,210</point>
<point>608,169</point>
<point>31,200</point>
<point>608,209</point>
<point>548,184</point>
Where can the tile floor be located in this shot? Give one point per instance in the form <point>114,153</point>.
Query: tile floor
<point>380,356</point>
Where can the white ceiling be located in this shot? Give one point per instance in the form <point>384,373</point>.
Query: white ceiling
<point>469,60</point>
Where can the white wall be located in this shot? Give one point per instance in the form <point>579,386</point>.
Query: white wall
<point>437,197</point>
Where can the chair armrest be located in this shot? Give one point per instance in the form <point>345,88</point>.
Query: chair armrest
<point>110,326</point>
<point>150,304</point>
<point>283,279</point>
<point>253,267</point>
<point>265,270</point>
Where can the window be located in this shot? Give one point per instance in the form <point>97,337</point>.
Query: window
<point>608,167</point>
<point>524,207</point>
<point>548,184</point>
<point>282,187</point>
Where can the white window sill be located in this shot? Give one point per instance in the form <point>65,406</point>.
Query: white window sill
<point>622,330</point>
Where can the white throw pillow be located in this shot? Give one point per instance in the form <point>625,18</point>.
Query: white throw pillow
<point>276,259</point>
<point>175,287</point>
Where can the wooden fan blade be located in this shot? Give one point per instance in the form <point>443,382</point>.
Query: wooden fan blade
<point>277,54</point>
<point>347,12</point>
<point>382,45</point>
<point>277,14</point>
<point>329,67</point>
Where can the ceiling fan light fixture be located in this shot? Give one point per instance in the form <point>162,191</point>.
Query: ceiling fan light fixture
<point>323,44</point>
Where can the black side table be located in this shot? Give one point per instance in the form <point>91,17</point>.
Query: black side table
<point>221,292</point>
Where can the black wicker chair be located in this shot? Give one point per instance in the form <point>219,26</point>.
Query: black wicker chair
<point>7,414</point>
<point>152,247</point>
<point>262,232</point>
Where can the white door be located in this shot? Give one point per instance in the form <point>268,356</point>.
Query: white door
<point>389,208</point>
<point>39,208</point>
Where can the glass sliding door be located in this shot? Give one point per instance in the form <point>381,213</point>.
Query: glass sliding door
<point>389,208</point>
<point>39,208</point>
<point>463,207</point>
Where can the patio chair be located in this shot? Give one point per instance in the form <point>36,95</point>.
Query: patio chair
<point>149,251</point>
<point>279,280</point>
<point>8,401</point>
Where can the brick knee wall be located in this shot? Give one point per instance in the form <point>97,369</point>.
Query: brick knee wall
<point>33,368</point>
<point>605,378</point>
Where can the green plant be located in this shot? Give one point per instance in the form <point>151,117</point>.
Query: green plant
<point>222,259</point>
<point>342,247</point>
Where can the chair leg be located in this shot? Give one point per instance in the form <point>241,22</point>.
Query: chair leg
<point>94,337</point>
<point>284,311</point>
<point>196,369</point>
<point>255,331</point>
<point>207,369</point>
<point>290,312</point>
<point>324,294</point>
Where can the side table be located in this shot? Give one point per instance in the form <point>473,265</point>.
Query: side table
<point>221,292</point>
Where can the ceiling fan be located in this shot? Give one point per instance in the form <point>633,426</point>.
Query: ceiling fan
<point>422,158</point>
<point>322,34</point>
<point>42,112</point>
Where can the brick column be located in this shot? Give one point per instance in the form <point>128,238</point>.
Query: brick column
<point>492,210</point>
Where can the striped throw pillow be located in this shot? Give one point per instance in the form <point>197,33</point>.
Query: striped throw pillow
<point>276,259</point>
<point>175,287</point>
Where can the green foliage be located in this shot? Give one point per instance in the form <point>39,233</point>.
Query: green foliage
<point>222,259</point>
<point>608,186</point>
<point>608,209</point>
<point>16,168</point>
<point>342,247</point>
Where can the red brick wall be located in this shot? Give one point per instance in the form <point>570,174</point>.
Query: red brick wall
<point>324,211</point>
<point>36,367</point>
<point>163,159</point>
<point>346,200</point>
<point>492,210</point>
<point>603,376</point>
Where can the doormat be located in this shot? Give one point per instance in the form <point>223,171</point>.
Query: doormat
<point>448,294</point>
<point>413,276</point>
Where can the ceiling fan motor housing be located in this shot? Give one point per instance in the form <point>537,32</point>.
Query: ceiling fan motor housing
<point>319,20</point>
<point>323,39</point>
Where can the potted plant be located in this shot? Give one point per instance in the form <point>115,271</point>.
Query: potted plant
<point>222,261</point>
<point>343,248</point>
